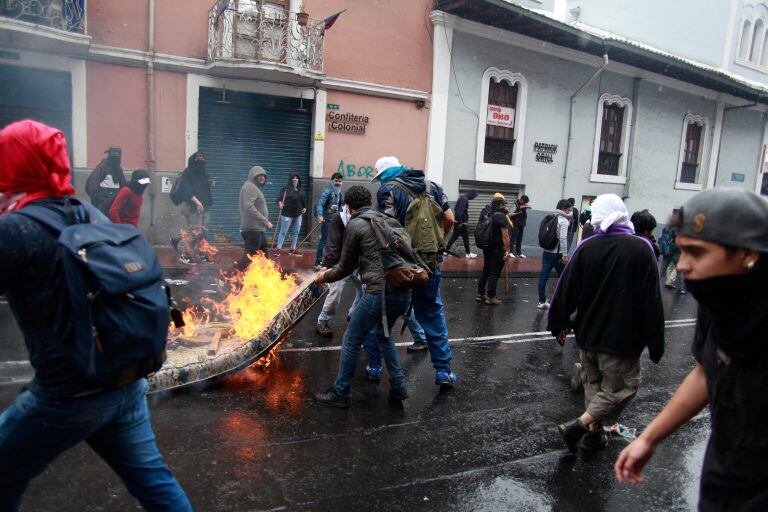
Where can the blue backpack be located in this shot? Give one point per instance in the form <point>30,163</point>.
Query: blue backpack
<point>114,307</point>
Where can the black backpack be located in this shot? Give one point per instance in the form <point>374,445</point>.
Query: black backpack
<point>484,232</point>
<point>548,238</point>
<point>177,196</point>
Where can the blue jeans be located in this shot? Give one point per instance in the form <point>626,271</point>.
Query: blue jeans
<point>35,430</point>
<point>333,299</point>
<point>292,223</point>
<point>430,313</point>
<point>321,243</point>
<point>372,348</point>
<point>549,261</point>
<point>365,318</point>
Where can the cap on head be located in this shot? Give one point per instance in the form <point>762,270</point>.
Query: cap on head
<point>384,163</point>
<point>727,216</point>
<point>498,195</point>
<point>497,203</point>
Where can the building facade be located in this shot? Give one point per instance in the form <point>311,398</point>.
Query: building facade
<point>546,101</point>
<point>248,82</point>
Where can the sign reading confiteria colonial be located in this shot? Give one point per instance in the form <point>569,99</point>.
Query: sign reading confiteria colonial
<point>544,152</point>
<point>346,122</point>
<point>501,116</point>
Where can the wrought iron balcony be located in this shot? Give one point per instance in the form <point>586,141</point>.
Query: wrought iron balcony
<point>262,32</point>
<point>68,15</point>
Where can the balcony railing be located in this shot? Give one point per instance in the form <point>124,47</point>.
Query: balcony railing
<point>255,31</point>
<point>66,15</point>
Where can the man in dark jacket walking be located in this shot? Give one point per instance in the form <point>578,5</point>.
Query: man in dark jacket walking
<point>399,186</point>
<point>361,250</point>
<point>726,270</point>
<point>60,408</point>
<point>494,256</point>
<point>196,201</point>
<point>461,212</point>
<point>611,285</point>
<point>519,219</point>
<point>105,180</point>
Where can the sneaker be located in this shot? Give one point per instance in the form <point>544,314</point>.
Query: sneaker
<point>324,330</point>
<point>373,372</point>
<point>543,305</point>
<point>331,399</point>
<point>512,255</point>
<point>446,253</point>
<point>447,379</point>
<point>276,253</point>
<point>681,292</point>
<point>576,382</point>
<point>594,441</point>
<point>492,301</point>
<point>204,258</point>
<point>175,242</point>
<point>480,298</point>
<point>572,433</point>
<point>417,346</point>
<point>398,393</point>
<point>522,256</point>
<point>471,256</point>
<point>186,260</point>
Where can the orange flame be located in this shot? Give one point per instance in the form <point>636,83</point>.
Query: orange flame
<point>207,248</point>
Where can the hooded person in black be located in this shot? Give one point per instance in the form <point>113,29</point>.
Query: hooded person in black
<point>105,180</point>
<point>126,208</point>
<point>292,205</point>
<point>196,201</point>
<point>726,270</point>
<point>461,219</point>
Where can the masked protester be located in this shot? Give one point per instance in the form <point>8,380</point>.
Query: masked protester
<point>292,205</point>
<point>495,255</point>
<point>126,208</point>
<point>196,202</point>
<point>60,408</point>
<point>461,212</point>
<point>105,180</point>
<point>254,216</point>
<point>726,270</point>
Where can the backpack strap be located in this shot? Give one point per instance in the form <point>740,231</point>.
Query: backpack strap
<point>73,211</point>
<point>405,189</point>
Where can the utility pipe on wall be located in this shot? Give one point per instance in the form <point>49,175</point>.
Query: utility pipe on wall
<point>151,110</point>
<point>570,117</point>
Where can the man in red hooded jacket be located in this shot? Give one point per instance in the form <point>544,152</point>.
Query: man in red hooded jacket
<point>60,408</point>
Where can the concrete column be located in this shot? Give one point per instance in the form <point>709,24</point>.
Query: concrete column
<point>714,155</point>
<point>438,110</point>
<point>318,134</point>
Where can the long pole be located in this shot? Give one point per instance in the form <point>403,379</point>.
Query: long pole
<point>506,279</point>
<point>308,235</point>
<point>279,217</point>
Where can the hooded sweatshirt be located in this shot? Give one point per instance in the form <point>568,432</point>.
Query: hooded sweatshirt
<point>104,183</point>
<point>254,215</point>
<point>196,183</point>
<point>126,208</point>
<point>461,210</point>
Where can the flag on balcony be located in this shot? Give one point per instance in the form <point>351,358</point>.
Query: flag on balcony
<point>329,21</point>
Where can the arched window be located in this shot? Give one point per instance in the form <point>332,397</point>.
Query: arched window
<point>745,38</point>
<point>764,53</point>
<point>757,39</point>
<point>614,114</point>
<point>693,152</point>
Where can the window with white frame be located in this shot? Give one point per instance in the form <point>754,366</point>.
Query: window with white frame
<point>753,39</point>
<point>501,120</point>
<point>614,114</point>
<point>692,151</point>
<point>744,42</point>
<point>757,39</point>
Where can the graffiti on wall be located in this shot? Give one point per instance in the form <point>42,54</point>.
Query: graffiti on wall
<point>355,171</point>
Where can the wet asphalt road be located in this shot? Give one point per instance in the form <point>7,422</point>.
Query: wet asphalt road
<point>257,441</point>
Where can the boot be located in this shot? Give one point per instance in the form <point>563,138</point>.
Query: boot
<point>594,441</point>
<point>572,433</point>
<point>331,399</point>
<point>324,330</point>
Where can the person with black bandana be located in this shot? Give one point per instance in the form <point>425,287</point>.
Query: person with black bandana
<point>196,202</point>
<point>126,208</point>
<point>106,180</point>
<point>723,241</point>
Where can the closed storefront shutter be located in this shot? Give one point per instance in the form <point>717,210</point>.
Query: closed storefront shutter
<point>239,130</point>
<point>44,96</point>
<point>485,193</point>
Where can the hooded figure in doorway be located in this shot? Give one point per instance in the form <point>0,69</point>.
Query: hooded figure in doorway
<point>105,180</point>
<point>254,216</point>
<point>196,201</point>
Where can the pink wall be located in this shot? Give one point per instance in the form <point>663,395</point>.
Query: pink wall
<point>181,27</point>
<point>380,41</point>
<point>170,120</point>
<point>395,127</point>
<point>117,113</point>
<point>118,23</point>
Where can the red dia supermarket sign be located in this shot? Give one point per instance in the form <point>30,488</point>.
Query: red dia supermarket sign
<point>501,116</point>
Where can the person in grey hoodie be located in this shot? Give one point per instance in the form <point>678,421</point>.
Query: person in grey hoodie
<point>557,257</point>
<point>254,216</point>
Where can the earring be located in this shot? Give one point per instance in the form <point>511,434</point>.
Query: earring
<point>749,265</point>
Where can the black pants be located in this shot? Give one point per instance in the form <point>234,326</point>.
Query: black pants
<point>516,240</point>
<point>493,264</point>
<point>459,230</point>
<point>255,241</point>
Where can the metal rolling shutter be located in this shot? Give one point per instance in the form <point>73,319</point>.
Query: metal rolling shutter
<point>44,96</point>
<point>252,129</point>
<point>485,193</point>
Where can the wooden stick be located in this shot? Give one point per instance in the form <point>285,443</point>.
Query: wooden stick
<point>506,280</point>
<point>306,237</point>
<point>279,218</point>
<point>215,342</point>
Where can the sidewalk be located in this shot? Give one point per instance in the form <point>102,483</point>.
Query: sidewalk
<point>452,266</point>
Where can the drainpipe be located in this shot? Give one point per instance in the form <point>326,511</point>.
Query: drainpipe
<point>570,117</point>
<point>151,111</point>
<point>635,96</point>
